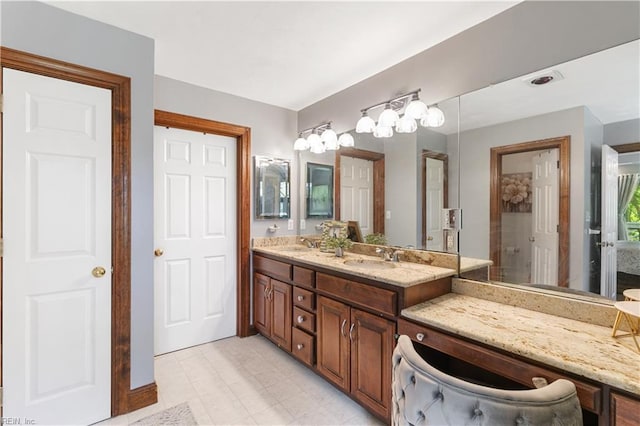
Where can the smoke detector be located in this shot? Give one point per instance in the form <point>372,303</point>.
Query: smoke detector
<point>544,78</point>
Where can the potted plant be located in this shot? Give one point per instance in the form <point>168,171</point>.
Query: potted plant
<point>378,239</point>
<point>339,243</point>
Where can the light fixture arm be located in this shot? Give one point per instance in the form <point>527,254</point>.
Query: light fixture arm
<point>392,100</point>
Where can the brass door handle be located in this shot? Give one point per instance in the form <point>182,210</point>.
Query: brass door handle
<point>158,252</point>
<point>98,272</point>
<point>429,238</point>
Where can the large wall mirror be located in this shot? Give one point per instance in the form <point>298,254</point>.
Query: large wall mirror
<point>531,179</point>
<point>272,181</point>
<point>396,186</point>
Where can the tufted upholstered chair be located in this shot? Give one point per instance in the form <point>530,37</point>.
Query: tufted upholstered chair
<point>424,395</point>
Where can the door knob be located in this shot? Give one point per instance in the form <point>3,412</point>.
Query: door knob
<point>429,238</point>
<point>158,252</point>
<point>98,271</point>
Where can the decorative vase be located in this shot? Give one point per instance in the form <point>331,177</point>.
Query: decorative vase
<point>339,252</point>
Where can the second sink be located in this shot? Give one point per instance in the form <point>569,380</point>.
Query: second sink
<point>369,264</point>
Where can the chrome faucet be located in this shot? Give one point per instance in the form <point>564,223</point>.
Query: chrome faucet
<point>309,243</point>
<point>389,254</point>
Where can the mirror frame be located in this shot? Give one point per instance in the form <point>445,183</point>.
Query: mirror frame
<point>258,176</point>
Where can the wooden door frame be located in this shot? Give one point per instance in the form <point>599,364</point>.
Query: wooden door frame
<point>243,188</point>
<point>378,183</point>
<point>445,186</point>
<point>563,144</point>
<point>123,399</point>
<point>627,147</point>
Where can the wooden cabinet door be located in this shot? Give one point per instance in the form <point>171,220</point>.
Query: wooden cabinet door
<point>625,411</point>
<point>281,314</point>
<point>332,353</point>
<point>371,351</point>
<point>261,304</point>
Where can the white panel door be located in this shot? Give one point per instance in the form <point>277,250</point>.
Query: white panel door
<point>195,228</point>
<point>545,218</point>
<point>356,192</point>
<point>609,231</point>
<point>56,315</point>
<point>434,187</point>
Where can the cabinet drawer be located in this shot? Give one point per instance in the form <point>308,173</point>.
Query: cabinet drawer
<point>625,411</point>
<point>590,396</point>
<point>272,268</point>
<point>303,346</point>
<point>361,294</point>
<point>304,319</point>
<point>304,277</point>
<point>304,298</point>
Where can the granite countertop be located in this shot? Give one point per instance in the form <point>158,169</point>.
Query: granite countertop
<point>576,347</point>
<point>402,274</point>
<point>469,263</point>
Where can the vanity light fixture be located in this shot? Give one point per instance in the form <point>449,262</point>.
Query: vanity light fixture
<point>322,138</point>
<point>414,110</point>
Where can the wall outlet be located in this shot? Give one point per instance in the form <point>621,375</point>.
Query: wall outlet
<point>387,215</point>
<point>449,242</point>
<point>303,224</point>
<point>290,224</point>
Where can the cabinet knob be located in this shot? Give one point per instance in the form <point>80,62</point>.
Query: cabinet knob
<point>420,337</point>
<point>300,319</point>
<point>300,346</point>
<point>300,298</point>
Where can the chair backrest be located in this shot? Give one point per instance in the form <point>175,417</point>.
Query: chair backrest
<point>423,394</point>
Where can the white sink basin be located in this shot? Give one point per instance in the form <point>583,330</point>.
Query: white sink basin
<point>292,248</point>
<point>369,264</point>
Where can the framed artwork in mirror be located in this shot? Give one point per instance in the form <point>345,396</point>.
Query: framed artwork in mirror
<point>319,191</point>
<point>353,231</point>
<point>272,188</point>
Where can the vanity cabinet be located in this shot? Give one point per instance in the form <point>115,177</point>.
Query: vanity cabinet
<point>272,309</point>
<point>354,349</point>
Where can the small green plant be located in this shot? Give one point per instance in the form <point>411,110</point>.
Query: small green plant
<point>379,239</point>
<point>339,242</point>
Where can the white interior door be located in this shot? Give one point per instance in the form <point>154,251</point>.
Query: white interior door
<point>609,229</point>
<point>56,359</point>
<point>545,218</point>
<point>356,192</point>
<point>195,228</point>
<point>434,187</point>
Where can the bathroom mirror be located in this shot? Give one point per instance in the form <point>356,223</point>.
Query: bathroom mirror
<point>397,186</point>
<point>271,178</point>
<point>512,131</point>
<point>319,189</point>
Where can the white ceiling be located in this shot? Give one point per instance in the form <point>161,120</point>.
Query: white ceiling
<point>290,54</point>
<point>607,83</point>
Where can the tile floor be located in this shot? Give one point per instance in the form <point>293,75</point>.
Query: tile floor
<point>247,382</point>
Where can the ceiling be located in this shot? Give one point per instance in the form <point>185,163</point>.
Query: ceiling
<point>607,83</point>
<point>289,54</point>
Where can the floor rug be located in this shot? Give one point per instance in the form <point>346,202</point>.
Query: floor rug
<point>179,415</point>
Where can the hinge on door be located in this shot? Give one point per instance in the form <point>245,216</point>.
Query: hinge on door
<point>1,396</point>
<point>1,102</point>
<point>558,164</point>
<point>1,255</point>
<point>557,228</point>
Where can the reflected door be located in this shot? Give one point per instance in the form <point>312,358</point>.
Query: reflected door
<point>609,231</point>
<point>56,302</point>
<point>434,187</point>
<point>356,192</point>
<point>195,223</point>
<point>544,239</point>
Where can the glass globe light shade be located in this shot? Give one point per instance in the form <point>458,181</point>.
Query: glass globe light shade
<point>329,137</point>
<point>383,132</point>
<point>365,124</point>
<point>346,140</point>
<point>406,124</point>
<point>331,145</point>
<point>434,118</point>
<point>301,144</point>
<point>314,141</point>
<point>416,109</point>
<point>388,117</point>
